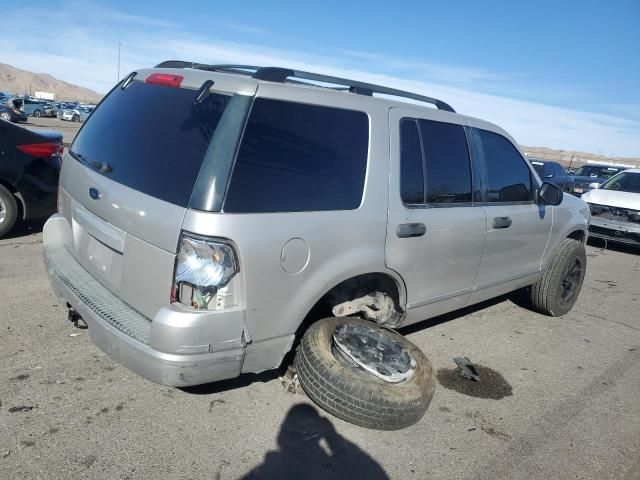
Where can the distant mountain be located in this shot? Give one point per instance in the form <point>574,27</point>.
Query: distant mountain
<point>575,159</point>
<point>21,81</point>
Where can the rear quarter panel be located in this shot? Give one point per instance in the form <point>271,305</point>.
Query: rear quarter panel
<point>341,244</point>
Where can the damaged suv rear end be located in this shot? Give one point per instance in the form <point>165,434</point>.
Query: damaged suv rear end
<point>184,272</point>
<point>116,252</point>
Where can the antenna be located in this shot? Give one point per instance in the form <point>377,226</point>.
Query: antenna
<point>568,168</point>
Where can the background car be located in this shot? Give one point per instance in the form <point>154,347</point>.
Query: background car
<point>29,175</point>
<point>30,106</point>
<point>615,208</point>
<point>10,114</point>
<point>552,172</point>
<point>588,174</point>
<point>79,114</point>
<point>50,110</point>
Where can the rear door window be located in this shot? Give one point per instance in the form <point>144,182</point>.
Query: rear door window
<point>435,167</point>
<point>411,164</point>
<point>509,178</point>
<point>151,138</point>
<point>447,161</point>
<point>297,157</point>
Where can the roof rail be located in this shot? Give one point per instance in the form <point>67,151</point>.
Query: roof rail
<point>282,75</point>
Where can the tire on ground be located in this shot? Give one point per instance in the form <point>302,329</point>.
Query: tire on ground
<point>11,210</point>
<point>546,293</point>
<point>354,395</point>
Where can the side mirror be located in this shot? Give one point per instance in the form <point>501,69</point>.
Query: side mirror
<point>550,194</point>
<point>594,185</point>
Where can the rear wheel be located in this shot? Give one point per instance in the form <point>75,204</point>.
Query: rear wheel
<point>8,211</point>
<point>6,116</point>
<point>557,290</point>
<point>364,373</point>
<point>75,118</point>
<point>37,113</point>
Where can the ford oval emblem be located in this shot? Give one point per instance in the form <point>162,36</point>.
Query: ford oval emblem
<point>94,193</point>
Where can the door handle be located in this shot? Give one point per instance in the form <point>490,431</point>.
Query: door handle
<point>406,230</point>
<point>501,222</point>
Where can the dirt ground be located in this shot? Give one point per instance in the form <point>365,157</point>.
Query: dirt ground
<point>559,397</point>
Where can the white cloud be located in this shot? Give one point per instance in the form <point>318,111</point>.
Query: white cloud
<point>85,53</point>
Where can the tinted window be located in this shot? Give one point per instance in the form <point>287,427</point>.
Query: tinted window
<point>295,157</point>
<point>447,162</point>
<point>597,171</point>
<point>509,178</point>
<point>625,182</point>
<point>151,138</point>
<point>411,168</point>
<point>538,167</point>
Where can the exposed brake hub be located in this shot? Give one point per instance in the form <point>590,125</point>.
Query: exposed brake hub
<point>374,352</point>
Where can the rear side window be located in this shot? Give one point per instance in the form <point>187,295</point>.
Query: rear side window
<point>296,157</point>
<point>151,138</point>
<point>509,178</point>
<point>447,161</point>
<point>411,166</point>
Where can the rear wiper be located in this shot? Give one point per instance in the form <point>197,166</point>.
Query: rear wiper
<point>203,92</point>
<point>100,167</point>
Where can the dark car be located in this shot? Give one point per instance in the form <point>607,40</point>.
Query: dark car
<point>588,174</point>
<point>552,172</point>
<point>29,169</point>
<point>9,114</point>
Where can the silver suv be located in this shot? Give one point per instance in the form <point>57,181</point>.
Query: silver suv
<point>201,234</point>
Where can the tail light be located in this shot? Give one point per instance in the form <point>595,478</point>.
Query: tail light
<point>205,274</point>
<point>42,150</point>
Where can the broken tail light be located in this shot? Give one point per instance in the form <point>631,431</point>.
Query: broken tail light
<point>204,274</point>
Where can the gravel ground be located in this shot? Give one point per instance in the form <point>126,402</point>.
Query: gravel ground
<point>558,398</point>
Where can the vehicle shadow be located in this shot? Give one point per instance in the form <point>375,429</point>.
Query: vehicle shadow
<point>24,229</point>
<point>242,381</point>
<point>309,447</point>
<point>517,297</point>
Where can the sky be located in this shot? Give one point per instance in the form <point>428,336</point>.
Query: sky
<point>560,74</point>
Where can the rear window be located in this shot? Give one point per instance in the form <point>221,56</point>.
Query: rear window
<point>296,157</point>
<point>151,138</point>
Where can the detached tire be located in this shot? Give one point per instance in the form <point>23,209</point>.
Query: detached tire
<point>352,394</point>
<point>8,211</point>
<point>556,292</point>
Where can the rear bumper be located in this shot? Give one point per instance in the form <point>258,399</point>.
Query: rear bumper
<point>168,349</point>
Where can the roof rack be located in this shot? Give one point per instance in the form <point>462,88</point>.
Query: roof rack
<point>282,75</point>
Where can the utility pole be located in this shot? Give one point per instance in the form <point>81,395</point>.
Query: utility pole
<point>119,45</point>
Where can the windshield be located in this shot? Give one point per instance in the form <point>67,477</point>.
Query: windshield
<point>625,182</point>
<point>151,138</point>
<point>597,171</point>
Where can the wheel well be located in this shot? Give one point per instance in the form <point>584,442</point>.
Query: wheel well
<point>577,235</point>
<point>22,209</point>
<point>351,289</point>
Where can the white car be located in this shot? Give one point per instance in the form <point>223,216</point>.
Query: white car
<point>615,208</point>
<point>79,114</point>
